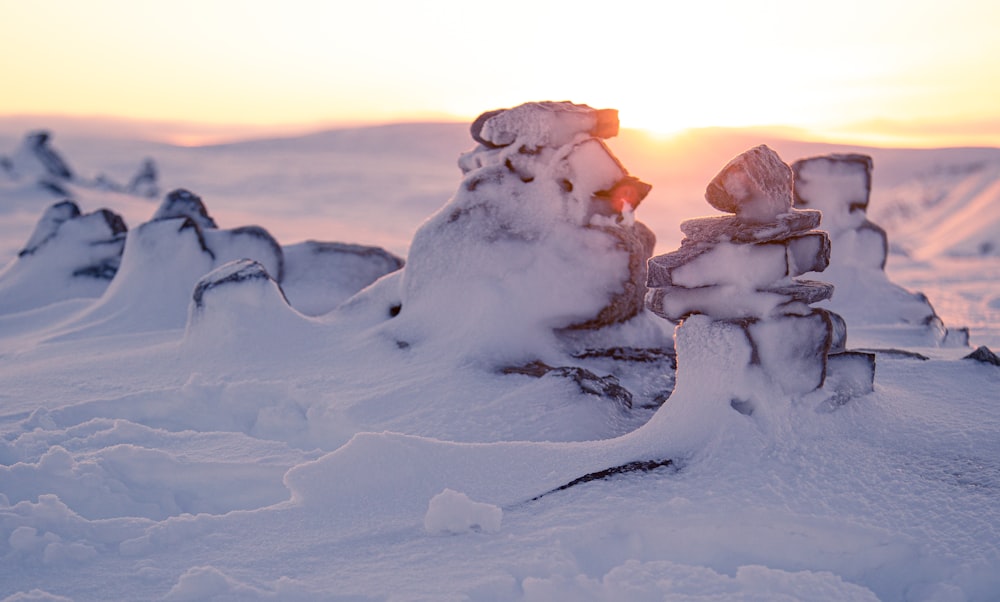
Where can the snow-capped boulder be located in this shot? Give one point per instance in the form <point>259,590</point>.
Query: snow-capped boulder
<point>239,305</point>
<point>742,273</point>
<point>69,255</point>
<point>839,186</point>
<point>251,242</point>
<point>319,276</point>
<point>184,203</point>
<point>540,234</point>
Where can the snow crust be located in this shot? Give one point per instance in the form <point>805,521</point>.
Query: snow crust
<point>154,446</point>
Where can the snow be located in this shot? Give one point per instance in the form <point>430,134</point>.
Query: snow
<point>453,512</point>
<point>343,436</point>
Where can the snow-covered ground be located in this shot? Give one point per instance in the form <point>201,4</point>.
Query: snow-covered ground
<point>162,440</point>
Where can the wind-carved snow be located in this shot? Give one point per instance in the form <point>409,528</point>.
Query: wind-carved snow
<point>246,431</point>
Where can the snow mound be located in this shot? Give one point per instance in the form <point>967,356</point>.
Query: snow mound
<point>69,255</point>
<point>452,512</point>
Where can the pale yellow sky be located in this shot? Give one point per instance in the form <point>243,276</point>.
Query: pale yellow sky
<point>915,72</point>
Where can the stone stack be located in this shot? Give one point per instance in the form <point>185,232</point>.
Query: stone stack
<point>544,219</point>
<point>742,271</point>
<point>839,185</point>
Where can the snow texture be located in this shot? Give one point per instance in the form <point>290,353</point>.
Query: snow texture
<point>162,444</point>
<point>452,512</point>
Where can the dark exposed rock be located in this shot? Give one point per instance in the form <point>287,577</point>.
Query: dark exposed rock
<point>606,387</point>
<point>184,203</point>
<point>756,186</point>
<point>644,466</point>
<point>631,354</point>
<point>983,354</point>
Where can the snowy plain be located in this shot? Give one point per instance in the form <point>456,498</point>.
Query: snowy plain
<point>152,448</point>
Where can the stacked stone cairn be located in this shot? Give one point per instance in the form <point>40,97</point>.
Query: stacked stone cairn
<point>741,272</point>
<point>839,185</point>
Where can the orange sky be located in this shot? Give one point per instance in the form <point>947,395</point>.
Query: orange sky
<point>915,72</point>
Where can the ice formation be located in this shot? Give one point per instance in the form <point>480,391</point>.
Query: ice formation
<point>839,186</point>
<point>540,235</point>
<point>740,273</point>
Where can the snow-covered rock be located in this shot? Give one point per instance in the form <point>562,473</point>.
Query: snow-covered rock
<point>539,236</point>
<point>742,274</point>
<point>69,255</point>
<point>839,186</point>
<point>184,203</point>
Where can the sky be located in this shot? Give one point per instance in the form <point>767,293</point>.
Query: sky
<point>902,73</point>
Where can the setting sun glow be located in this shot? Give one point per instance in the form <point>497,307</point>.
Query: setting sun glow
<point>905,73</point>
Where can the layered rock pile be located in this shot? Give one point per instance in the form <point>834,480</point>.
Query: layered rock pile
<point>839,185</point>
<point>540,234</point>
<point>742,271</point>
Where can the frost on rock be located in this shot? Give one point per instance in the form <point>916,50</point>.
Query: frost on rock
<point>69,255</point>
<point>540,235</point>
<point>742,274</point>
<point>839,185</point>
<point>239,303</point>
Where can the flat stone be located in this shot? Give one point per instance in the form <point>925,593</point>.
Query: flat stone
<point>537,124</point>
<point>803,291</point>
<point>731,228</point>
